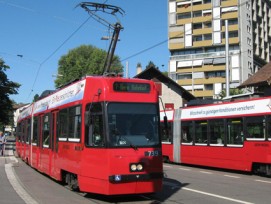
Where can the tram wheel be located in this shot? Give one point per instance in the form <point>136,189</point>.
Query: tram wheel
<point>72,182</point>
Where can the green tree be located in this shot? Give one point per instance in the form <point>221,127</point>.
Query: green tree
<point>36,97</point>
<point>151,64</point>
<point>233,92</point>
<point>82,61</point>
<point>7,88</point>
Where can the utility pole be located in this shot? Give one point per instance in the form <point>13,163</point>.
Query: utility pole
<point>227,59</point>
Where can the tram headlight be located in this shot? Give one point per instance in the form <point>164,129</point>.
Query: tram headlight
<point>139,167</point>
<point>134,167</point>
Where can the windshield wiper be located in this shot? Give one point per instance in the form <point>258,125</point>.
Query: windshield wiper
<point>122,137</point>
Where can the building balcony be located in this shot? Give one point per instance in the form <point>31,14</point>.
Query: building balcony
<point>176,34</point>
<point>184,21</point>
<point>202,7</point>
<point>202,55</point>
<point>229,3</point>
<point>231,40</point>
<point>201,19</point>
<point>176,46</point>
<point>229,15</point>
<point>211,80</point>
<point>184,9</point>
<point>231,27</point>
<point>203,93</point>
<point>204,68</point>
<point>202,43</point>
<point>202,31</point>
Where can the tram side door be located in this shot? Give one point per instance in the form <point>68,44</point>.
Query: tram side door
<point>45,145</point>
<point>54,146</point>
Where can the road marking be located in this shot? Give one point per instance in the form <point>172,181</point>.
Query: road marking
<point>17,185</point>
<point>205,193</point>
<point>231,176</point>
<point>217,196</point>
<point>185,169</point>
<point>168,166</point>
<point>263,181</point>
<point>205,172</point>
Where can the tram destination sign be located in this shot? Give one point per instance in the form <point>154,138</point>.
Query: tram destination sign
<point>131,87</point>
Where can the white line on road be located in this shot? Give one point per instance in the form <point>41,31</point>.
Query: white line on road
<point>185,169</point>
<point>231,176</point>
<point>205,193</point>
<point>167,166</point>
<point>17,186</point>
<point>217,196</point>
<point>206,172</point>
<point>263,181</point>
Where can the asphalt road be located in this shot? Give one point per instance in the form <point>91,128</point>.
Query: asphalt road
<point>182,184</point>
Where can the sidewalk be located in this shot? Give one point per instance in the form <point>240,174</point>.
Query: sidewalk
<point>8,193</point>
<point>20,184</point>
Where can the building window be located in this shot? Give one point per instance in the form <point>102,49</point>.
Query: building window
<point>215,74</point>
<point>197,14</point>
<point>207,24</point>
<point>197,38</point>
<point>208,87</point>
<point>207,37</point>
<point>249,41</point>
<point>197,26</point>
<point>206,1</point>
<point>184,15</point>
<point>184,76</point>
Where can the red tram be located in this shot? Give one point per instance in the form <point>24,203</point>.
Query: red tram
<point>230,135</point>
<point>99,134</point>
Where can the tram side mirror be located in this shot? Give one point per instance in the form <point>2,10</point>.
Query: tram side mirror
<point>165,122</point>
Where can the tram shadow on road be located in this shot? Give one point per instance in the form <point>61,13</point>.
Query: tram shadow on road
<point>170,187</point>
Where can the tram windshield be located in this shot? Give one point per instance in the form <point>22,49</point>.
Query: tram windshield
<point>133,125</point>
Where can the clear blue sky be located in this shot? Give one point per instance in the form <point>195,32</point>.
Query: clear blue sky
<point>43,31</point>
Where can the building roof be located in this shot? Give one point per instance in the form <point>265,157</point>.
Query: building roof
<point>20,105</point>
<point>152,73</point>
<point>260,78</point>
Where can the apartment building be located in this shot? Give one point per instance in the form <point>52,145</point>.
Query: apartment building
<point>205,34</point>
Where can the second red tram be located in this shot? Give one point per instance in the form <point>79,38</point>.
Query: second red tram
<point>230,135</point>
<point>99,135</point>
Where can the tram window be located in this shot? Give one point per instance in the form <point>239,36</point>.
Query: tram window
<point>74,123</point>
<point>201,132</point>
<point>23,132</point>
<point>35,131</point>
<point>167,134</point>
<point>235,131</point>
<point>28,135</point>
<point>62,127</point>
<point>255,127</point>
<point>217,131</point>
<point>46,131</point>
<point>94,130</point>
<point>187,132</point>
<point>19,131</point>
